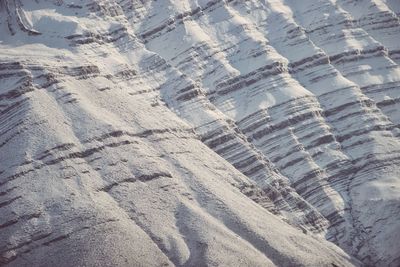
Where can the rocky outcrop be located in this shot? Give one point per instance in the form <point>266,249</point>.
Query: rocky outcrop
<point>195,133</point>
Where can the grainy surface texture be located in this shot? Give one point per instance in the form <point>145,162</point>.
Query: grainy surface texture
<point>199,133</point>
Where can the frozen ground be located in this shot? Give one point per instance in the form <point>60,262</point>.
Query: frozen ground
<point>199,133</point>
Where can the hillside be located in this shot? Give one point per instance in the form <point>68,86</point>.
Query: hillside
<point>199,133</point>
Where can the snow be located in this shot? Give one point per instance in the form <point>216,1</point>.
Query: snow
<point>152,134</point>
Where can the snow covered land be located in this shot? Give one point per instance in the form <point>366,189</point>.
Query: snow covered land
<point>199,133</point>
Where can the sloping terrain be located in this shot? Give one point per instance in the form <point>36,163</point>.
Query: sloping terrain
<point>199,133</point>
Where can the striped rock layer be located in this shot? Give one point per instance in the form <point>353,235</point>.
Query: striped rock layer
<point>199,132</point>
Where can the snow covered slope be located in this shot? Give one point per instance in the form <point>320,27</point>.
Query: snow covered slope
<point>199,133</point>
